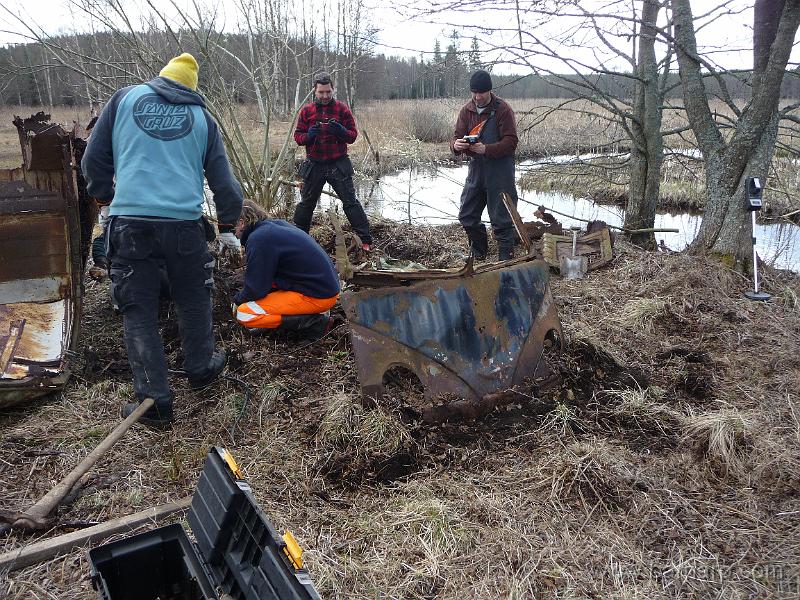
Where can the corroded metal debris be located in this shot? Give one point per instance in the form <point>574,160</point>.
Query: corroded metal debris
<point>469,335</point>
<point>596,247</point>
<point>41,217</point>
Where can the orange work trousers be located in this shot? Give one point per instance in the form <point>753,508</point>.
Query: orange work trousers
<point>266,312</point>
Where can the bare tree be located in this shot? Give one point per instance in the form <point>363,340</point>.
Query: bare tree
<point>644,127</point>
<point>130,47</point>
<point>748,150</point>
<point>593,44</point>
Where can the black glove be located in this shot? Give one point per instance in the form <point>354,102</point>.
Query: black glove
<point>337,129</point>
<point>312,133</point>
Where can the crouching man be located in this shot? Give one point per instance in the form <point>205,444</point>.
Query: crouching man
<point>290,283</point>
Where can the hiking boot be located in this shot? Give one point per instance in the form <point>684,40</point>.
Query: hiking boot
<point>311,327</point>
<point>157,417</point>
<point>212,372</point>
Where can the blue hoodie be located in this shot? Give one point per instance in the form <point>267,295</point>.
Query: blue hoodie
<point>150,150</point>
<point>281,254</point>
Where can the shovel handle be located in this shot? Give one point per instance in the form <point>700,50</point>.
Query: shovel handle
<point>39,511</point>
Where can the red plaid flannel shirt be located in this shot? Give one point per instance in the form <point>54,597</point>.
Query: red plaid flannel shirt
<point>325,146</point>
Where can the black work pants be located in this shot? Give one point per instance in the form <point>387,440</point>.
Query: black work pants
<point>139,247</point>
<point>476,196</point>
<point>315,176</point>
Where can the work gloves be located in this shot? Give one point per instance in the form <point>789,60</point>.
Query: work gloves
<point>312,133</point>
<point>337,129</point>
<point>230,241</point>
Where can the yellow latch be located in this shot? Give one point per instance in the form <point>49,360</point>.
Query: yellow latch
<point>228,458</point>
<point>293,550</point>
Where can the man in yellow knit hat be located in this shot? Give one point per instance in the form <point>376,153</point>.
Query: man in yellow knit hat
<point>148,155</point>
<point>182,69</point>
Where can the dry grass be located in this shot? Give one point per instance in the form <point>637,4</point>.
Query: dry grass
<point>353,440</point>
<point>644,408</point>
<point>723,437</point>
<point>640,313</point>
<point>593,498</point>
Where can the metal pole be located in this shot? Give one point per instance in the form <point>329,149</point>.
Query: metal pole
<point>755,254</point>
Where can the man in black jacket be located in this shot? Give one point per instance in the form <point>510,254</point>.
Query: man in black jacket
<point>290,282</point>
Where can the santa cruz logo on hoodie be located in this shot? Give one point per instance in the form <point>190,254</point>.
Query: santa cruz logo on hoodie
<point>162,120</point>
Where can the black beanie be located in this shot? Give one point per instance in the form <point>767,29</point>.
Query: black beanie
<point>480,82</point>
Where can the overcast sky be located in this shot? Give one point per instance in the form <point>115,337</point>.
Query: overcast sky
<point>401,35</point>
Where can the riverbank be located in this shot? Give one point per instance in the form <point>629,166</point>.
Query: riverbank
<point>604,179</point>
<point>666,464</point>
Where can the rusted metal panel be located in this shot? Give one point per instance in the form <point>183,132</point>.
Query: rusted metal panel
<point>382,278</point>
<point>519,226</point>
<point>12,174</point>
<point>42,268</point>
<point>40,140</point>
<point>465,336</point>
<point>33,245</point>
<point>21,198</point>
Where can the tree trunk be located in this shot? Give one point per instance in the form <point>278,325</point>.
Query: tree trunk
<point>733,242</point>
<point>725,229</point>
<point>647,148</point>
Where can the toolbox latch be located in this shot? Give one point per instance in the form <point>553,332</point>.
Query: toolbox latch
<point>228,458</point>
<point>293,550</point>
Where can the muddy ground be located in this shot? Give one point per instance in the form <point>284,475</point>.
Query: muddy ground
<point>665,464</point>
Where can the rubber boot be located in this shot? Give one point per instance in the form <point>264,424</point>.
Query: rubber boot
<point>211,373</point>
<point>311,327</point>
<point>505,252</point>
<point>478,241</point>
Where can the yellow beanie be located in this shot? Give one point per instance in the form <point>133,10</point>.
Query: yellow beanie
<point>182,69</point>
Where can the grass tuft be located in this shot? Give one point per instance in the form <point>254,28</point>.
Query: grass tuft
<point>722,437</point>
<point>353,440</point>
<point>640,313</point>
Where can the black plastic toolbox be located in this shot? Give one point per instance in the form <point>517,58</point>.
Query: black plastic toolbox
<point>237,555</point>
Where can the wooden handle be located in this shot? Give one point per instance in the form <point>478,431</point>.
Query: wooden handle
<point>35,517</point>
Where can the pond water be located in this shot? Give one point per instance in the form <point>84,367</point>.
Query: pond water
<point>431,196</point>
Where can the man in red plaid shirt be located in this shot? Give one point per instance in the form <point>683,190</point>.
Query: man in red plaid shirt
<point>325,127</point>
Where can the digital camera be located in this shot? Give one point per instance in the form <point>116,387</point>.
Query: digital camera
<point>471,139</point>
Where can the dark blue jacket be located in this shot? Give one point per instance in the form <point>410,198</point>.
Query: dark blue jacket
<point>279,253</point>
<point>150,150</point>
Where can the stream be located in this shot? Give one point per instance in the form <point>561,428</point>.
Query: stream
<point>431,196</point>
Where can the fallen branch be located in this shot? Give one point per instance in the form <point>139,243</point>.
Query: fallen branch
<point>617,227</point>
<point>299,186</point>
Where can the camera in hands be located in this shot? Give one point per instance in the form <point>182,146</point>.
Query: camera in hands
<point>471,139</point>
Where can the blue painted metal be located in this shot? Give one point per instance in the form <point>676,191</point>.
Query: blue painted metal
<point>468,336</point>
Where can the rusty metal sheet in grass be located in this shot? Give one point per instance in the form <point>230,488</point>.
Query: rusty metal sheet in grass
<point>42,262</point>
<point>466,336</point>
